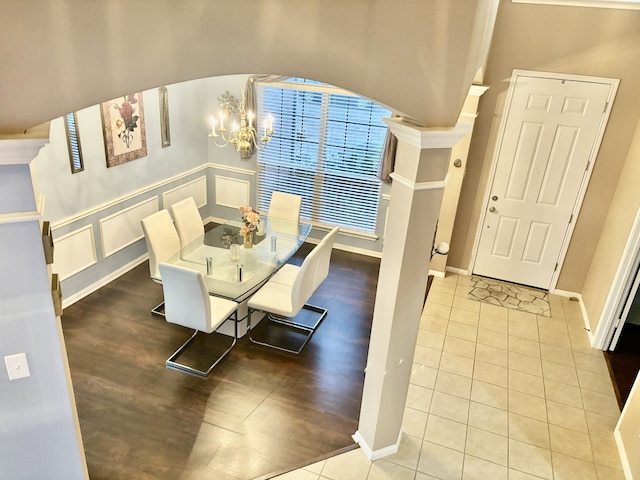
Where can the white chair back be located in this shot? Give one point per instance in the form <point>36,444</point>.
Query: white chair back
<point>187,219</point>
<point>324,260</point>
<point>186,298</point>
<point>285,206</point>
<point>304,284</point>
<point>162,239</point>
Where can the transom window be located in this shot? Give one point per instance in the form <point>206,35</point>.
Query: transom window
<point>326,148</point>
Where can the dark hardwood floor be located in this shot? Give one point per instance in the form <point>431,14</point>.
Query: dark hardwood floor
<point>259,411</point>
<point>624,362</point>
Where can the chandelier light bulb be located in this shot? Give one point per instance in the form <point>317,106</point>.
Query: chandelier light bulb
<point>244,135</point>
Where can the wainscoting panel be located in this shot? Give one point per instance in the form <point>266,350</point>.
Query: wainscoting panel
<point>74,252</point>
<point>196,188</point>
<point>121,229</point>
<point>231,192</point>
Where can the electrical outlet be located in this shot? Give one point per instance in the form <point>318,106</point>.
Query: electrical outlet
<point>17,366</point>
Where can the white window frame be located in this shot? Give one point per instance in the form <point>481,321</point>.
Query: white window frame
<point>318,174</point>
<point>76,161</point>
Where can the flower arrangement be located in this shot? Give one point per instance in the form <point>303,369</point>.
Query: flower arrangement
<point>251,220</point>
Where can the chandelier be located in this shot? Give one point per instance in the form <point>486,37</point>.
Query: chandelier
<point>244,136</point>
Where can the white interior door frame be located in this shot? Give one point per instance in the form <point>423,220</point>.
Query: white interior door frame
<point>613,84</point>
<point>610,317</point>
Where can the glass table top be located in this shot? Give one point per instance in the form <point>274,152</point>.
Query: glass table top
<point>232,271</point>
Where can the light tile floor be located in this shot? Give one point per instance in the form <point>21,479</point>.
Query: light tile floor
<point>496,394</point>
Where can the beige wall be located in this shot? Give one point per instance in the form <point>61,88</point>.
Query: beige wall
<point>617,225</point>
<point>583,41</point>
<point>63,55</point>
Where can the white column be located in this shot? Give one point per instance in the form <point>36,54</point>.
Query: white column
<point>40,437</point>
<point>416,194</point>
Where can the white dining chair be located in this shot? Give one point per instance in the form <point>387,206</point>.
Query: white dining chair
<point>162,242</point>
<point>188,303</point>
<point>187,219</point>
<point>286,294</point>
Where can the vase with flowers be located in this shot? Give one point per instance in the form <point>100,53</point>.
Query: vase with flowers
<point>251,220</point>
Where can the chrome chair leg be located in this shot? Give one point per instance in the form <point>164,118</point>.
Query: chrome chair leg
<point>158,310</point>
<point>302,329</point>
<point>171,363</point>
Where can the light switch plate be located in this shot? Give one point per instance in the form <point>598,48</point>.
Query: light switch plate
<point>17,366</point>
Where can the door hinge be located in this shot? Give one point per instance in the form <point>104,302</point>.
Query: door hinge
<point>555,268</point>
<point>587,167</point>
<point>571,218</point>
<point>606,105</point>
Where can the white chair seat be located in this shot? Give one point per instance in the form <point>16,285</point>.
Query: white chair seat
<point>285,294</point>
<point>188,303</point>
<point>275,298</point>
<point>223,309</point>
<point>286,275</point>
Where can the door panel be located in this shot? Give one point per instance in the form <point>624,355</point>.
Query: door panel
<point>551,129</point>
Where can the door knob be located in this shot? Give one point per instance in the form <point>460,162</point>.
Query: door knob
<point>492,209</point>
<point>457,163</point>
<point>494,198</point>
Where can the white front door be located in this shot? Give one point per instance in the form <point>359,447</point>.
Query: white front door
<point>551,131</point>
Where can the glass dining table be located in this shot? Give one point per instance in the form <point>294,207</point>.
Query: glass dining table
<point>233,271</point>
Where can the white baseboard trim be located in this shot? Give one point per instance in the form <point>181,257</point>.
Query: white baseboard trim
<point>103,281</point>
<point>622,453</point>
<point>583,310</point>
<point>459,271</point>
<point>377,454</point>
<point>436,273</point>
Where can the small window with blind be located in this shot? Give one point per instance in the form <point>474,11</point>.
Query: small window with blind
<point>73,142</point>
<point>326,148</point>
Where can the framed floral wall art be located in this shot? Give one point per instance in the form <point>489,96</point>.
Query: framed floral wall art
<point>125,138</point>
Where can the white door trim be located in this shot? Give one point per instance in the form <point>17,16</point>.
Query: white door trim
<point>607,324</point>
<point>613,85</point>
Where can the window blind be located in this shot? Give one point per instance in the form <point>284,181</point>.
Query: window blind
<point>73,143</point>
<point>326,148</point>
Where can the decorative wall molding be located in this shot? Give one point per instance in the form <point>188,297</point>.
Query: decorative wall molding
<point>19,217</point>
<point>425,137</point>
<point>121,229</point>
<point>420,185</point>
<point>74,252</point>
<point>14,151</point>
<point>227,168</point>
<point>103,281</point>
<point>232,192</point>
<point>124,198</point>
<point>196,188</point>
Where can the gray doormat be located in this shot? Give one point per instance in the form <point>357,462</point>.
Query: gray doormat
<point>508,295</point>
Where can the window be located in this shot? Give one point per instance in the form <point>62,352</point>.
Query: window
<point>73,142</point>
<point>327,149</point>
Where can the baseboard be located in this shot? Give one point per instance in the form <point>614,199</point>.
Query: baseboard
<point>622,453</point>
<point>377,454</point>
<point>583,310</point>
<point>67,301</point>
<point>459,271</point>
<point>435,273</point>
